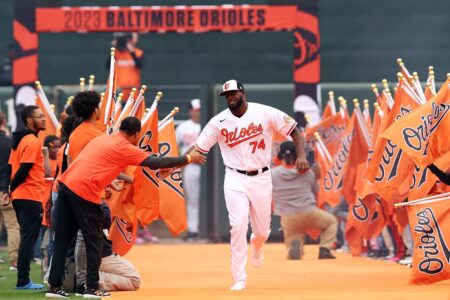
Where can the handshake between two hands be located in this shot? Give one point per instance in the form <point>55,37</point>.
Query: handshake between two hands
<point>196,157</point>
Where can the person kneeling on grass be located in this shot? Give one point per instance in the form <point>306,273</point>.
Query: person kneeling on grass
<point>295,203</point>
<point>116,273</point>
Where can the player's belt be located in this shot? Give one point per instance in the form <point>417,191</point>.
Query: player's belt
<point>251,173</point>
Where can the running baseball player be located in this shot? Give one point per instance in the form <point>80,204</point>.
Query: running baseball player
<point>244,134</point>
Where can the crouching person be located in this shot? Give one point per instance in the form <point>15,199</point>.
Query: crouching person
<point>295,203</point>
<point>115,273</point>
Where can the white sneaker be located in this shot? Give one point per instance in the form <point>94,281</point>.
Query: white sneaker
<point>257,257</point>
<point>406,261</point>
<point>238,286</point>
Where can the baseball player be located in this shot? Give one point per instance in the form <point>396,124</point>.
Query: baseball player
<point>244,134</point>
<point>186,134</point>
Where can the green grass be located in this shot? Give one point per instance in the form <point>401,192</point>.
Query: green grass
<point>7,285</point>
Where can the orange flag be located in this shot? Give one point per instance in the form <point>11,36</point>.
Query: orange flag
<point>122,233</point>
<point>423,134</point>
<point>431,234</point>
<point>357,157</point>
<point>146,182</point>
<point>277,139</point>
<point>389,168</point>
<point>172,205</point>
<point>108,101</point>
<point>332,180</point>
<point>330,131</point>
<point>51,123</point>
<point>366,216</point>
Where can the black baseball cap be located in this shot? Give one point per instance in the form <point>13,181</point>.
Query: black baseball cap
<point>231,85</point>
<point>287,148</point>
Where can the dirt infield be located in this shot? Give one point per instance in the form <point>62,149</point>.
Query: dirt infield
<point>201,271</point>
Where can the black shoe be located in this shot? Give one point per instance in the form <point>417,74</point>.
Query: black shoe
<point>80,289</point>
<point>325,253</point>
<point>95,293</point>
<point>192,236</point>
<point>294,250</point>
<point>54,292</point>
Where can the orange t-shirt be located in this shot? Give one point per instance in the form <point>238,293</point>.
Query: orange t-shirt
<point>29,151</point>
<point>80,137</point>
<point>129,76</point>
<point>99,163</point>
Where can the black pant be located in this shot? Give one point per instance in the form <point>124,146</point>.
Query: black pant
<point>29,216</point>
<point>73,213</point>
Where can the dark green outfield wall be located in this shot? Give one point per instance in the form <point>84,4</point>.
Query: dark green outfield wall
<point>360,42</point>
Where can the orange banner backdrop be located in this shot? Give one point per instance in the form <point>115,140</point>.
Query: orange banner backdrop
<point>225,18</point>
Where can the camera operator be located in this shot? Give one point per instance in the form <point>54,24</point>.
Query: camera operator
<point>129,60</point>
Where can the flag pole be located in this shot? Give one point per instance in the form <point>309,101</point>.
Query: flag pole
<point>138,100</point>
<point>322,147</point>
<point>422,200</point>
<point>82,84</point>
<point>331,102</point>
<point>158,98</point>
<point>91,83</point>
<point>174,111</point>
<point>361,122</point>
<point>46,103</point>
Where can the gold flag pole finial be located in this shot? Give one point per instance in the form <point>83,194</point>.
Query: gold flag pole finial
<point>91,82</point>
<point>143,89</point>
<point>331,95</point>
<point>356,103</point>
<point>52,106</point>
<point>159,96</point>
<point>133,92</point>
<point>366,103</point>
<point>400,62</point>
<point>119,97</point>
<point>448,76</point>
<point>112,51</point>
<point>175,110</point>
<point>308,118</point>
<point>82,83</point>
<point>38,84</point>
<point>430,69</point>
<point>385,84</point>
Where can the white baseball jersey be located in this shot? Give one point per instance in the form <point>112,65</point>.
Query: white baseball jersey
<point>186,134</point>
<point>245,142</point>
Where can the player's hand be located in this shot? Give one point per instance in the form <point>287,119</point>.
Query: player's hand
<point>6,200</point>
<point>197,157</point>
<point>301,164</point>
<point>163,173</point>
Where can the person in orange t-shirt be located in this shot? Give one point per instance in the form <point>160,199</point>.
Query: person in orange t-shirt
<point>129,61</point>
<point>79,199</point>
<point>26,189</point>
<point>85,106</point>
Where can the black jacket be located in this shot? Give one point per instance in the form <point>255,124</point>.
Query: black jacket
<point>5,150</point>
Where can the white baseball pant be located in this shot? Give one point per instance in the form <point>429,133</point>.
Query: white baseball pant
<point>191,185</point>
<point>247,196</point>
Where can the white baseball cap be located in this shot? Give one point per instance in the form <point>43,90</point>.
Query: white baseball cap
<point>195,104</point>
<point>231,85</point>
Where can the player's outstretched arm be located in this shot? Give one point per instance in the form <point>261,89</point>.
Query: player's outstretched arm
<point>154,162</point>
<point>300,163</point>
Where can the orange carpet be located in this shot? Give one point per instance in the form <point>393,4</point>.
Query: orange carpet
<point>201,271</point>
